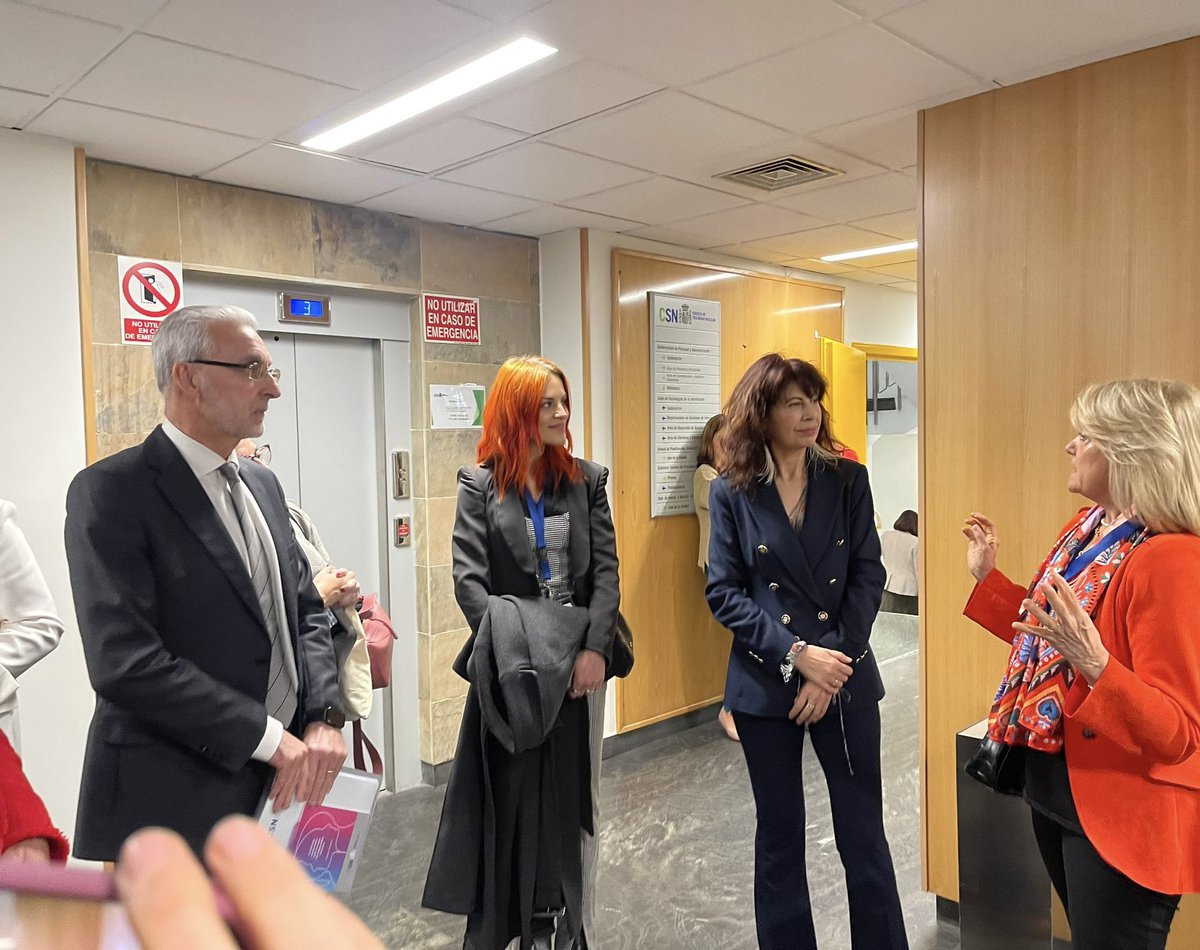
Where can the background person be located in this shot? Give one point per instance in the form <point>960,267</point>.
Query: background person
<point>340,593</point>
<point>706,471</point>
<point>1102,688</point>
<point>527,476</point>
<point>794,574</point>
<point>899,551</point>
<point>29,624</point>
<point>205,640</point>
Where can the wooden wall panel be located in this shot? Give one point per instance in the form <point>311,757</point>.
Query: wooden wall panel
<point>681,650</point>
<point>1060,241</point>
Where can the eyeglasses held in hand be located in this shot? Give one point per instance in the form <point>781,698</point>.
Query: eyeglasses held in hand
<point>254,369</point>
<point>261,454</point>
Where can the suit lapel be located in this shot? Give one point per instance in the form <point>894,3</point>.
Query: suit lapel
<point>824,497</point>
<point>580,553</point>
<point>510,514</point>
<point>783,537</point>
<point>183,492</point>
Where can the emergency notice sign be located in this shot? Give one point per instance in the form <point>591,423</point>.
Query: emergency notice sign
<point>451,319</point>
<point>148,291</point>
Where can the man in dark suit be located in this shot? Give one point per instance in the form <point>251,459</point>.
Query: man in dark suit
<point>205,640</point>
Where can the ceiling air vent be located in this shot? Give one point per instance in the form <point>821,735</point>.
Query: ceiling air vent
<point>785,172</point>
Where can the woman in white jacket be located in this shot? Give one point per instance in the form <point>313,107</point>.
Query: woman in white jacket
<point>29,624</point>
<point>900,559</point>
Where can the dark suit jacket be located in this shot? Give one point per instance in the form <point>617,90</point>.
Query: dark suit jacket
<point>176,646</point>
<point>492,553</point>
<point>768,585</point>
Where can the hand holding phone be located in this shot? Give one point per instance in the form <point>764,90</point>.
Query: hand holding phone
<point>262,899</point>
<point>274,905</point>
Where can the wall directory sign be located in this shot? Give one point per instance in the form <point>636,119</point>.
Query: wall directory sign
<point>456,406</point>
<point>685,392</point>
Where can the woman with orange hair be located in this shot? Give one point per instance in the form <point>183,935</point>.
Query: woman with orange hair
<point>533,521</point>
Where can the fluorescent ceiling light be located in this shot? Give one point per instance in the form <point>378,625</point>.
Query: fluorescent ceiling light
<point>508,59</point>
<point>870,252</point>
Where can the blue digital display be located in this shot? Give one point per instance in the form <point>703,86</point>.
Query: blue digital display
<point>304,307</point>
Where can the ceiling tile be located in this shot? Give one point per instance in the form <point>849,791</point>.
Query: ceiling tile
<point>172,81</point>
<point>670,236</point>
<point>909,286</point>
<point>657,201</point>
<point>373,42</point>
<point>747,224</point>
<point>138,139</point>
<point>676,45</point>
<point>116,12</point>
<point>818,267</point>
<point>880,194</point>
<point>537,170</point>
<point>871,277</point>
<point>550,219</point>
<point>293,172</point>
<point>752,253</point>
<point>15,105</point>
<point>889,139</point>
<point>446,143</point>
<point>831,240</point>
<point>665,130</point>
<point>901,225</point>
<point>907,271</point>
<point>876,261</point>
<point>579,90</point>
<point>1031,37</point>
<point>41,50</point>
<point>498,10</point>
<point>434,200</point>
<point>855,73</point>
<point>874,8</point>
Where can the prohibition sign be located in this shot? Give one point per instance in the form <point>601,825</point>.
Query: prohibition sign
<point>167,296</point>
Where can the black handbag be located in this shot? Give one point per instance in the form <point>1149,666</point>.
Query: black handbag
<point>998,766</point>
<point>622,651</point>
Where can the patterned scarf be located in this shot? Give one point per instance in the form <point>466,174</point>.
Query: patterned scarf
<point>1028,706</point>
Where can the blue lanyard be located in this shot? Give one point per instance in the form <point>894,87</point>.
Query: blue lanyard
<point>537,514</point>
<point>1080,562</point>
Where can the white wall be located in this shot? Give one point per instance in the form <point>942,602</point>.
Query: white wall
<point>42,435</point>
<point>879,315</point>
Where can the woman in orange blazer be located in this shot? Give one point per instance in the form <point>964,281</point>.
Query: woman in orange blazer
<point>1102,687</point>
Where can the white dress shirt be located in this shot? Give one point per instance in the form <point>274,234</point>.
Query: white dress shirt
<point>205,465</point>
<point>29,624</point>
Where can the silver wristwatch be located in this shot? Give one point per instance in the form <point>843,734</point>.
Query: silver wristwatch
<point>788,667</point>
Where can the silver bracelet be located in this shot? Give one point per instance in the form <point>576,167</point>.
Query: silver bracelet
<point>788,667</point>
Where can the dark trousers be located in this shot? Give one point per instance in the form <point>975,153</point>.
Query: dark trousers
<point>1106,910</point>
<point>782,910</point>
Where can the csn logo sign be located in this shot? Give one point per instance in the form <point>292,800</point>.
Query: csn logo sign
<point>676,316</point>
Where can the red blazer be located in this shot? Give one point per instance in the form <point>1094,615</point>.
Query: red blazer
<point>22,814</point>
<point>1131,739</point>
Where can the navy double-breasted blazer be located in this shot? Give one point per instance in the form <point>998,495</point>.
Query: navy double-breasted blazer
<point>769,584</point>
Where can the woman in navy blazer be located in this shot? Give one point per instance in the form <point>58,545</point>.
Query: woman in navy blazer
<point>795,575</point>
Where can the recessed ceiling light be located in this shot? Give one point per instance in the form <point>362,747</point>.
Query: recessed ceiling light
<point>870,252</point>
<point>496,65</point>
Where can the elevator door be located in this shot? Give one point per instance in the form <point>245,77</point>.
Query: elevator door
<point>322,433</point>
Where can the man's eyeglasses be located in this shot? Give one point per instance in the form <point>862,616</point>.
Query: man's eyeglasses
<point>254,369</point>
<point>261,454</point>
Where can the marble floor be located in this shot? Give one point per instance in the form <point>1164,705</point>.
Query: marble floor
<point>677,843</point>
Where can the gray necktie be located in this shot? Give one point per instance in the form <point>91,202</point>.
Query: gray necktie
<point>281,697</point>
